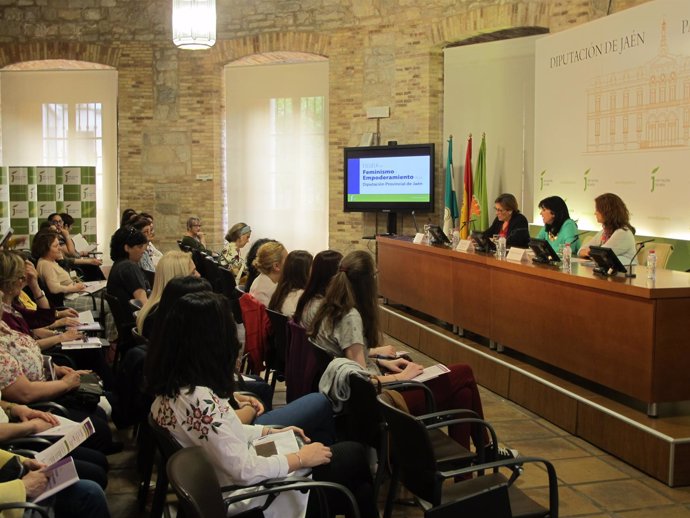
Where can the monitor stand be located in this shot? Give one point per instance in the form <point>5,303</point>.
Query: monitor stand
<point>392,223</point>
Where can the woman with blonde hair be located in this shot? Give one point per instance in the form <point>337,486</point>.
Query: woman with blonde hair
<point>172,264</point>
<point>269,261</point>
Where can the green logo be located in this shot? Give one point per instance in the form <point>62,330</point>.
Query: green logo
<point>654,171</point>
<point>585,177</point>
<point>541,180</point>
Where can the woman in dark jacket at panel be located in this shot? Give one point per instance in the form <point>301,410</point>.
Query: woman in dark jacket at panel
<point>509,222</point>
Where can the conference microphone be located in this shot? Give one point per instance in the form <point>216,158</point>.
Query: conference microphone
<point>639,247</point>
<point>468,222</point>
<point>416,228</point>
<point>577,237</point>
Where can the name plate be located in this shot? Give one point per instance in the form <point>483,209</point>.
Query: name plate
<point>517,254</point>
<point>418,238</point>
<point>465,245</point>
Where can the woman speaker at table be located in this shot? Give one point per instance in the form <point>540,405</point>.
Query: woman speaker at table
<point>509,222</point>
<point>616,233</point>
<point>559,230</point>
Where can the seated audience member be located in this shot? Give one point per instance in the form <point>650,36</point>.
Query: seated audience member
<point>252,272</point>
<point>509,222</point>
<point>90,266</point>
<point>312,413</point>
<point>33,315</point>
<point>236,239</point>
<point>126,280</point>
<point>616,233</point>
<point>269,261</point>
<point>173,264</point>
<point>194,238</point>
<point>146,263</point>
<point>23,380</point>
<point>84,498</point>
<point>292,282</point>
<point>15,274</point>
<point>55,278</point>
<point>559,229</point>
<point>347,326</point>
<point>324,267</point>
<point>194,402</point>
<point>19,421</point>
<point>152,253</point>
<point>127,215</point>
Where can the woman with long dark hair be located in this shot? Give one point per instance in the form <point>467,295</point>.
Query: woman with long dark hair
<point>194,388</point>
<point>559,230</point>
<point>347,325</point>
<point>292,282</point>
<point>323,269</point>
<point>616,231</point>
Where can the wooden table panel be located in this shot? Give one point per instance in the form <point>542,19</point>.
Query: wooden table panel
<point>628,334</point>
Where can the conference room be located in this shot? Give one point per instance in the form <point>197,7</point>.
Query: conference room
<point>350,126</point>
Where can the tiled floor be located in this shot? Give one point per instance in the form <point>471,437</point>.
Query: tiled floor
<point>591,482</point>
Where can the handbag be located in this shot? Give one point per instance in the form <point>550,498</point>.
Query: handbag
<point>87,396</point>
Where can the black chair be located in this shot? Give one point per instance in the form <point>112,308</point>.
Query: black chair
<point>138,338</point>
<point>227,288</point>
<point>423,473</point>
<point>277,346</point>
<point>166,446</point>
<point>305,364</point>
<point>200,496</point>
<point>184,248</point>
<point>26,506</point>
<point>124,322</point>
<point>198,258</point>
<point>212,273</point>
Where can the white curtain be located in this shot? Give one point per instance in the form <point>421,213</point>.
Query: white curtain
<point>65,118</point>
<point>277,165</point>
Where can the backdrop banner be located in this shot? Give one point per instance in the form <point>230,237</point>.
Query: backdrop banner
<point>612,114</point>
<point>28,195</point>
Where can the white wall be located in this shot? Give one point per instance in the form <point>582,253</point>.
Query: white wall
<point>489,87</point>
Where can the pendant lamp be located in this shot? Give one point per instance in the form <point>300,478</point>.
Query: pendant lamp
<point>194,24</point>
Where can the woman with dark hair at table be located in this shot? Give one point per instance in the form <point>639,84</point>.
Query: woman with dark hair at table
<point>323,269</point>
<point>509,222</point>
<point>292,282</point>
<point>347,326</point>
<point>616,233</point>
<point>194,391</point>
<point>559,229</point>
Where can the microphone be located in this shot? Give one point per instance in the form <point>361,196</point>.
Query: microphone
<point>416,228</point>
<point>639,247</point>
<point>468,222</point>
<point>577,237</point>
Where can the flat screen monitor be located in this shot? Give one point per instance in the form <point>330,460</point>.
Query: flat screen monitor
<point>389,178</point>
<point>438,236</point>
<point>543,251</point>
<point>481,242</point>
<point>607,261</point>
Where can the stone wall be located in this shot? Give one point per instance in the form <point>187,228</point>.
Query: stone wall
<point>171,103</point>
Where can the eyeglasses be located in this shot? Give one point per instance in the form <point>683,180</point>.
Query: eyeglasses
<point>500,211</point>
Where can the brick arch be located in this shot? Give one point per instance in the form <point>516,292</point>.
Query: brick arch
<point>489,19</point>
<point>37,51</point>
<point>307,42</point>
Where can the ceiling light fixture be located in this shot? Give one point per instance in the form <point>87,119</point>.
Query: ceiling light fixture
<point>194,24</point>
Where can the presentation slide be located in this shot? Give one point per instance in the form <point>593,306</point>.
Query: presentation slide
<point>391,179</point>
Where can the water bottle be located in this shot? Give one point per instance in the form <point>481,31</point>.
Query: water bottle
<point>651,265</point>
<point>567,255</point>
<point>501,247</point>
<point>456,239</point>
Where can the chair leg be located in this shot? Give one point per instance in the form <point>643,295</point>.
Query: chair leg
<point>146,461</point>
<point>158,504</point>
<point>392,493</point>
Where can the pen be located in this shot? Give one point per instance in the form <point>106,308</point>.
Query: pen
<point>384,357</point>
